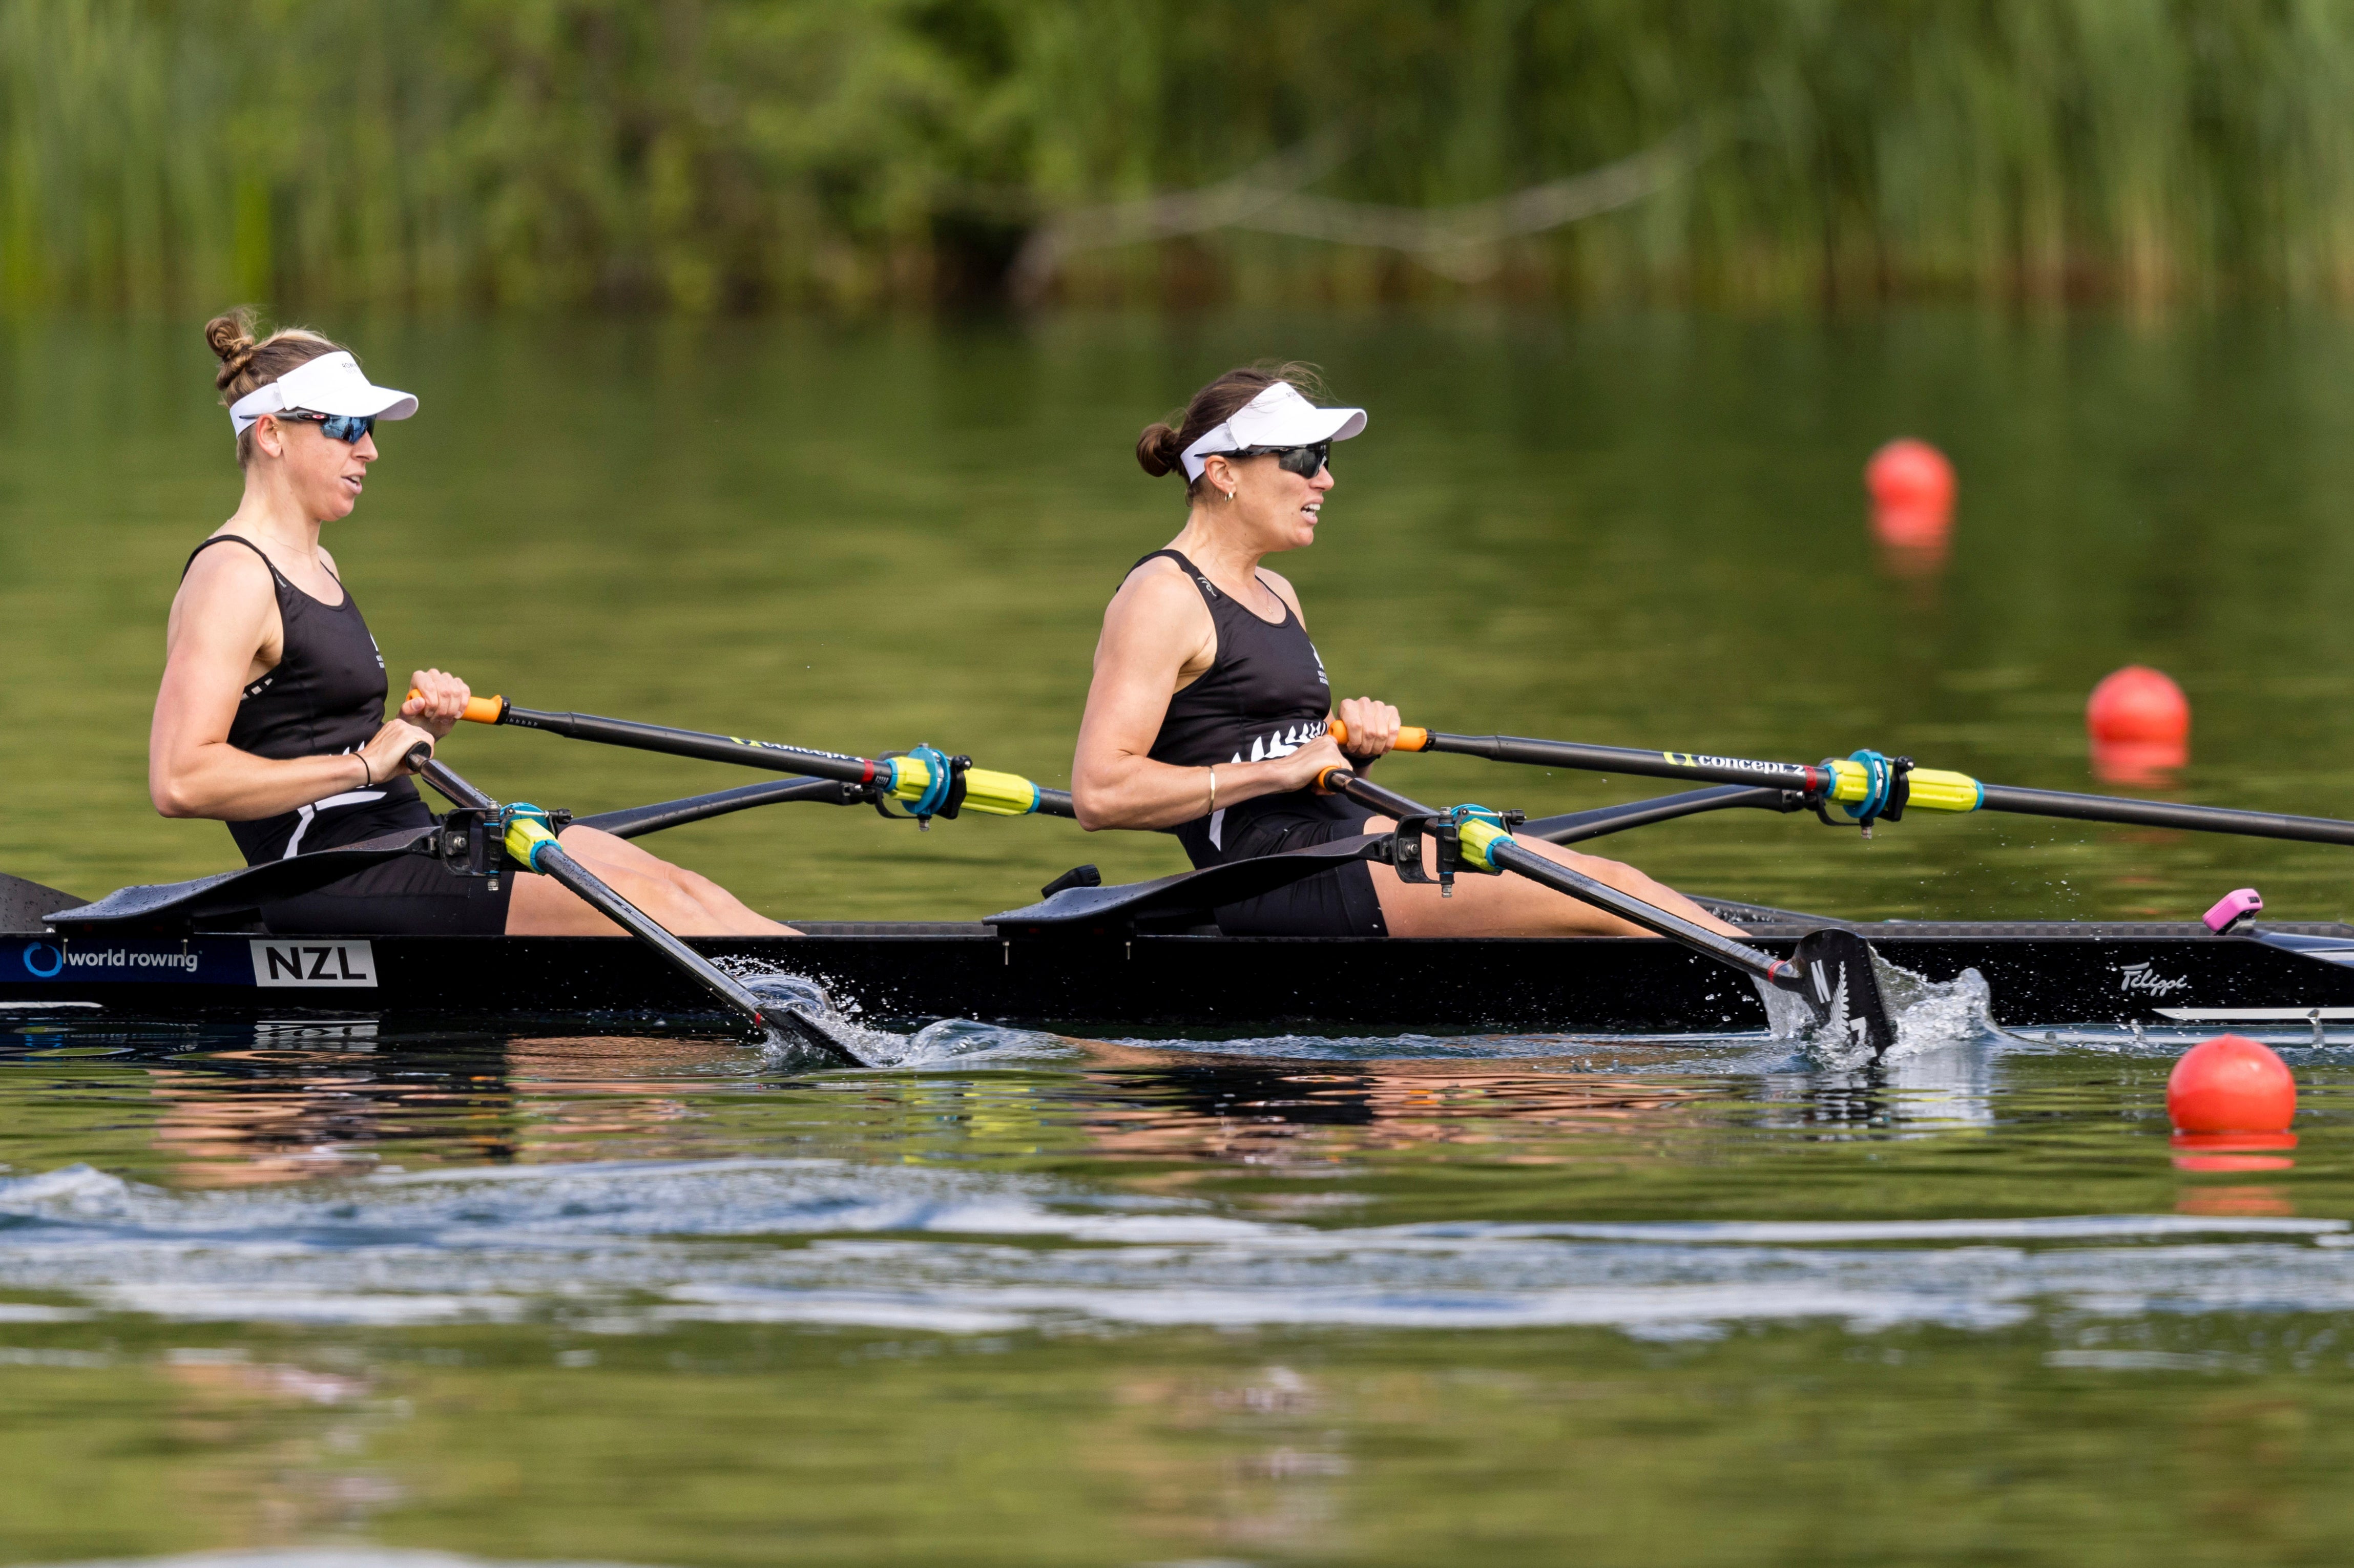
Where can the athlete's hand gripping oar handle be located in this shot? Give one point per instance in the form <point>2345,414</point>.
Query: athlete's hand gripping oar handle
<point>915,779</point>
<point>1831,970</point>
<point>1410,738</point>
<point>530,842</point>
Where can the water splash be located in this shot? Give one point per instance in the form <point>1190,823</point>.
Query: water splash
<point>1934,1014</point>
<point>1930,1015</point>
<point>959,1041</point>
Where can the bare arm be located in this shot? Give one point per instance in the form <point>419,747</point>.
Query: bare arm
<point>223,620</point>
<point>1156,633</point>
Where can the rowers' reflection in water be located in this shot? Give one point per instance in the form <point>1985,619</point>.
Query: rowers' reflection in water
<point>284,1104</point>
<point>1177,1104</point>
<point>293,1102</point>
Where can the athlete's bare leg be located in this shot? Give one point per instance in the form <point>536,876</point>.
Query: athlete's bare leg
<point>1509,905</point>
<point>684,902</point>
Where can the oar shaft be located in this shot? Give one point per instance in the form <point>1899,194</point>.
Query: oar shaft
<point>1366,792</point>
<point>1582,757</point>
<point>693,742</point>
<point>1575,827</point>
<point>1636,912</point>
<point>1931,789</point>
<point>2166,814</point>
<point>531,842</point>
<point>454,789</point>
<point>1504,852</point>
<point>993,793</point>
<point>553,861</point>
<point>636,822</point>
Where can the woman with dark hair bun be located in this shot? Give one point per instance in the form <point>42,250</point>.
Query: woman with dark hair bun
<point>270,716</point>
<point>1209,711</point>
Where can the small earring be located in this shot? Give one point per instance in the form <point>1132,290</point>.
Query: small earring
<point>1230,495</point>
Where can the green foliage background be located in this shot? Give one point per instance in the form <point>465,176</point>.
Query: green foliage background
<point>728,154</point>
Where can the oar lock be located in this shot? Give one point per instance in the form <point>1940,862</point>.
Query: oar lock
<point>1461,834</point>
<point>488,842</point>
<point>1887,790</point>
<point>931,783</point>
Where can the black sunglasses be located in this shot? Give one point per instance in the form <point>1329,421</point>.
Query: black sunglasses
<point>1302,460</point>
<point>347,427</point>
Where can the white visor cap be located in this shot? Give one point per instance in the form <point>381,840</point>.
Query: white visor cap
<point>1278,417</point>
<point>331,384</point>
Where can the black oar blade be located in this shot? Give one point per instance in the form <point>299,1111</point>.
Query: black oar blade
<point>821,1033</point>
<point>1844,990</point>
<point>800,1007</point>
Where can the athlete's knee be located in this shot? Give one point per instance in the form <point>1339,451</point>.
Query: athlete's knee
<point>690,881</point>
<point>673,908</point>
<point>698,887</point>
<point>1618,873</point>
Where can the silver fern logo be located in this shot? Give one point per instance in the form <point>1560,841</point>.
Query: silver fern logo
<point>1281,742</point>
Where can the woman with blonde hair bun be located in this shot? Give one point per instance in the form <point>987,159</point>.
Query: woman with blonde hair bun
<point>270,714</point>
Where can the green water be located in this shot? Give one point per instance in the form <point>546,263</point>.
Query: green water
<point>313,1320</point>
<point>1292,1301</point>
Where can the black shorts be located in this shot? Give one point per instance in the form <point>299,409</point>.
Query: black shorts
<point>411,896</point>
<point>1336,903</point>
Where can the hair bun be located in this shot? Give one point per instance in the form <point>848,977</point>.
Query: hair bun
<point>231,337</point>
<point>1156,451</point>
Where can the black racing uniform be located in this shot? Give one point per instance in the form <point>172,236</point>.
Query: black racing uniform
<point>325,697</point>
<point>1264,695</point>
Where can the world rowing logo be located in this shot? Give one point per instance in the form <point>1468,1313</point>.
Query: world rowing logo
<point>2137,978</point>
<point>42,961</point>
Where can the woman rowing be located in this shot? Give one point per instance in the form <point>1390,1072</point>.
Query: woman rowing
<point>1209,711</point>
<point>270,716</point>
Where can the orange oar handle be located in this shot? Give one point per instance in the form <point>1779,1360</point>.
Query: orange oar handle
<point>1411,737</point>
<point>479,710</point>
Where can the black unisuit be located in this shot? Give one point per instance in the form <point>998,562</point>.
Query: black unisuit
<point>325,697</point>
<point>1265,695</point>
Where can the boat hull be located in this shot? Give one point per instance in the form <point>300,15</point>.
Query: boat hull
<point>2039,975</point>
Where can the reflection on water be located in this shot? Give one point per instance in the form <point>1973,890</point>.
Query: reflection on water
<point>1186,1293</point>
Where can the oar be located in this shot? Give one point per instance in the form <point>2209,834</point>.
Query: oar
<point>930,784</point>
<point>529,842</point>
<point>1576,827</point>
<point>1830,970</point>
<point>1870,786</point>
<point>637,822</point>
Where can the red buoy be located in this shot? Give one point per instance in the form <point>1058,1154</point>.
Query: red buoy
<point>2138,703</point>
<point>2231,1084</point>
<point>1909,475</point>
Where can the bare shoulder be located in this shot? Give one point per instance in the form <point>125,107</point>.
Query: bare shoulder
<point>227,573</point>
<point>1158,590</point>
<point>1284,592</point>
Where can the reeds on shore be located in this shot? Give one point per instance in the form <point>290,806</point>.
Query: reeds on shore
<point>732,155</point>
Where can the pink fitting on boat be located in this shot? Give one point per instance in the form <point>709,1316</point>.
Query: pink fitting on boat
<point>2234,909</point>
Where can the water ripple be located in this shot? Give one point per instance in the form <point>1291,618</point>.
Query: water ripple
<point>631,1246</point>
